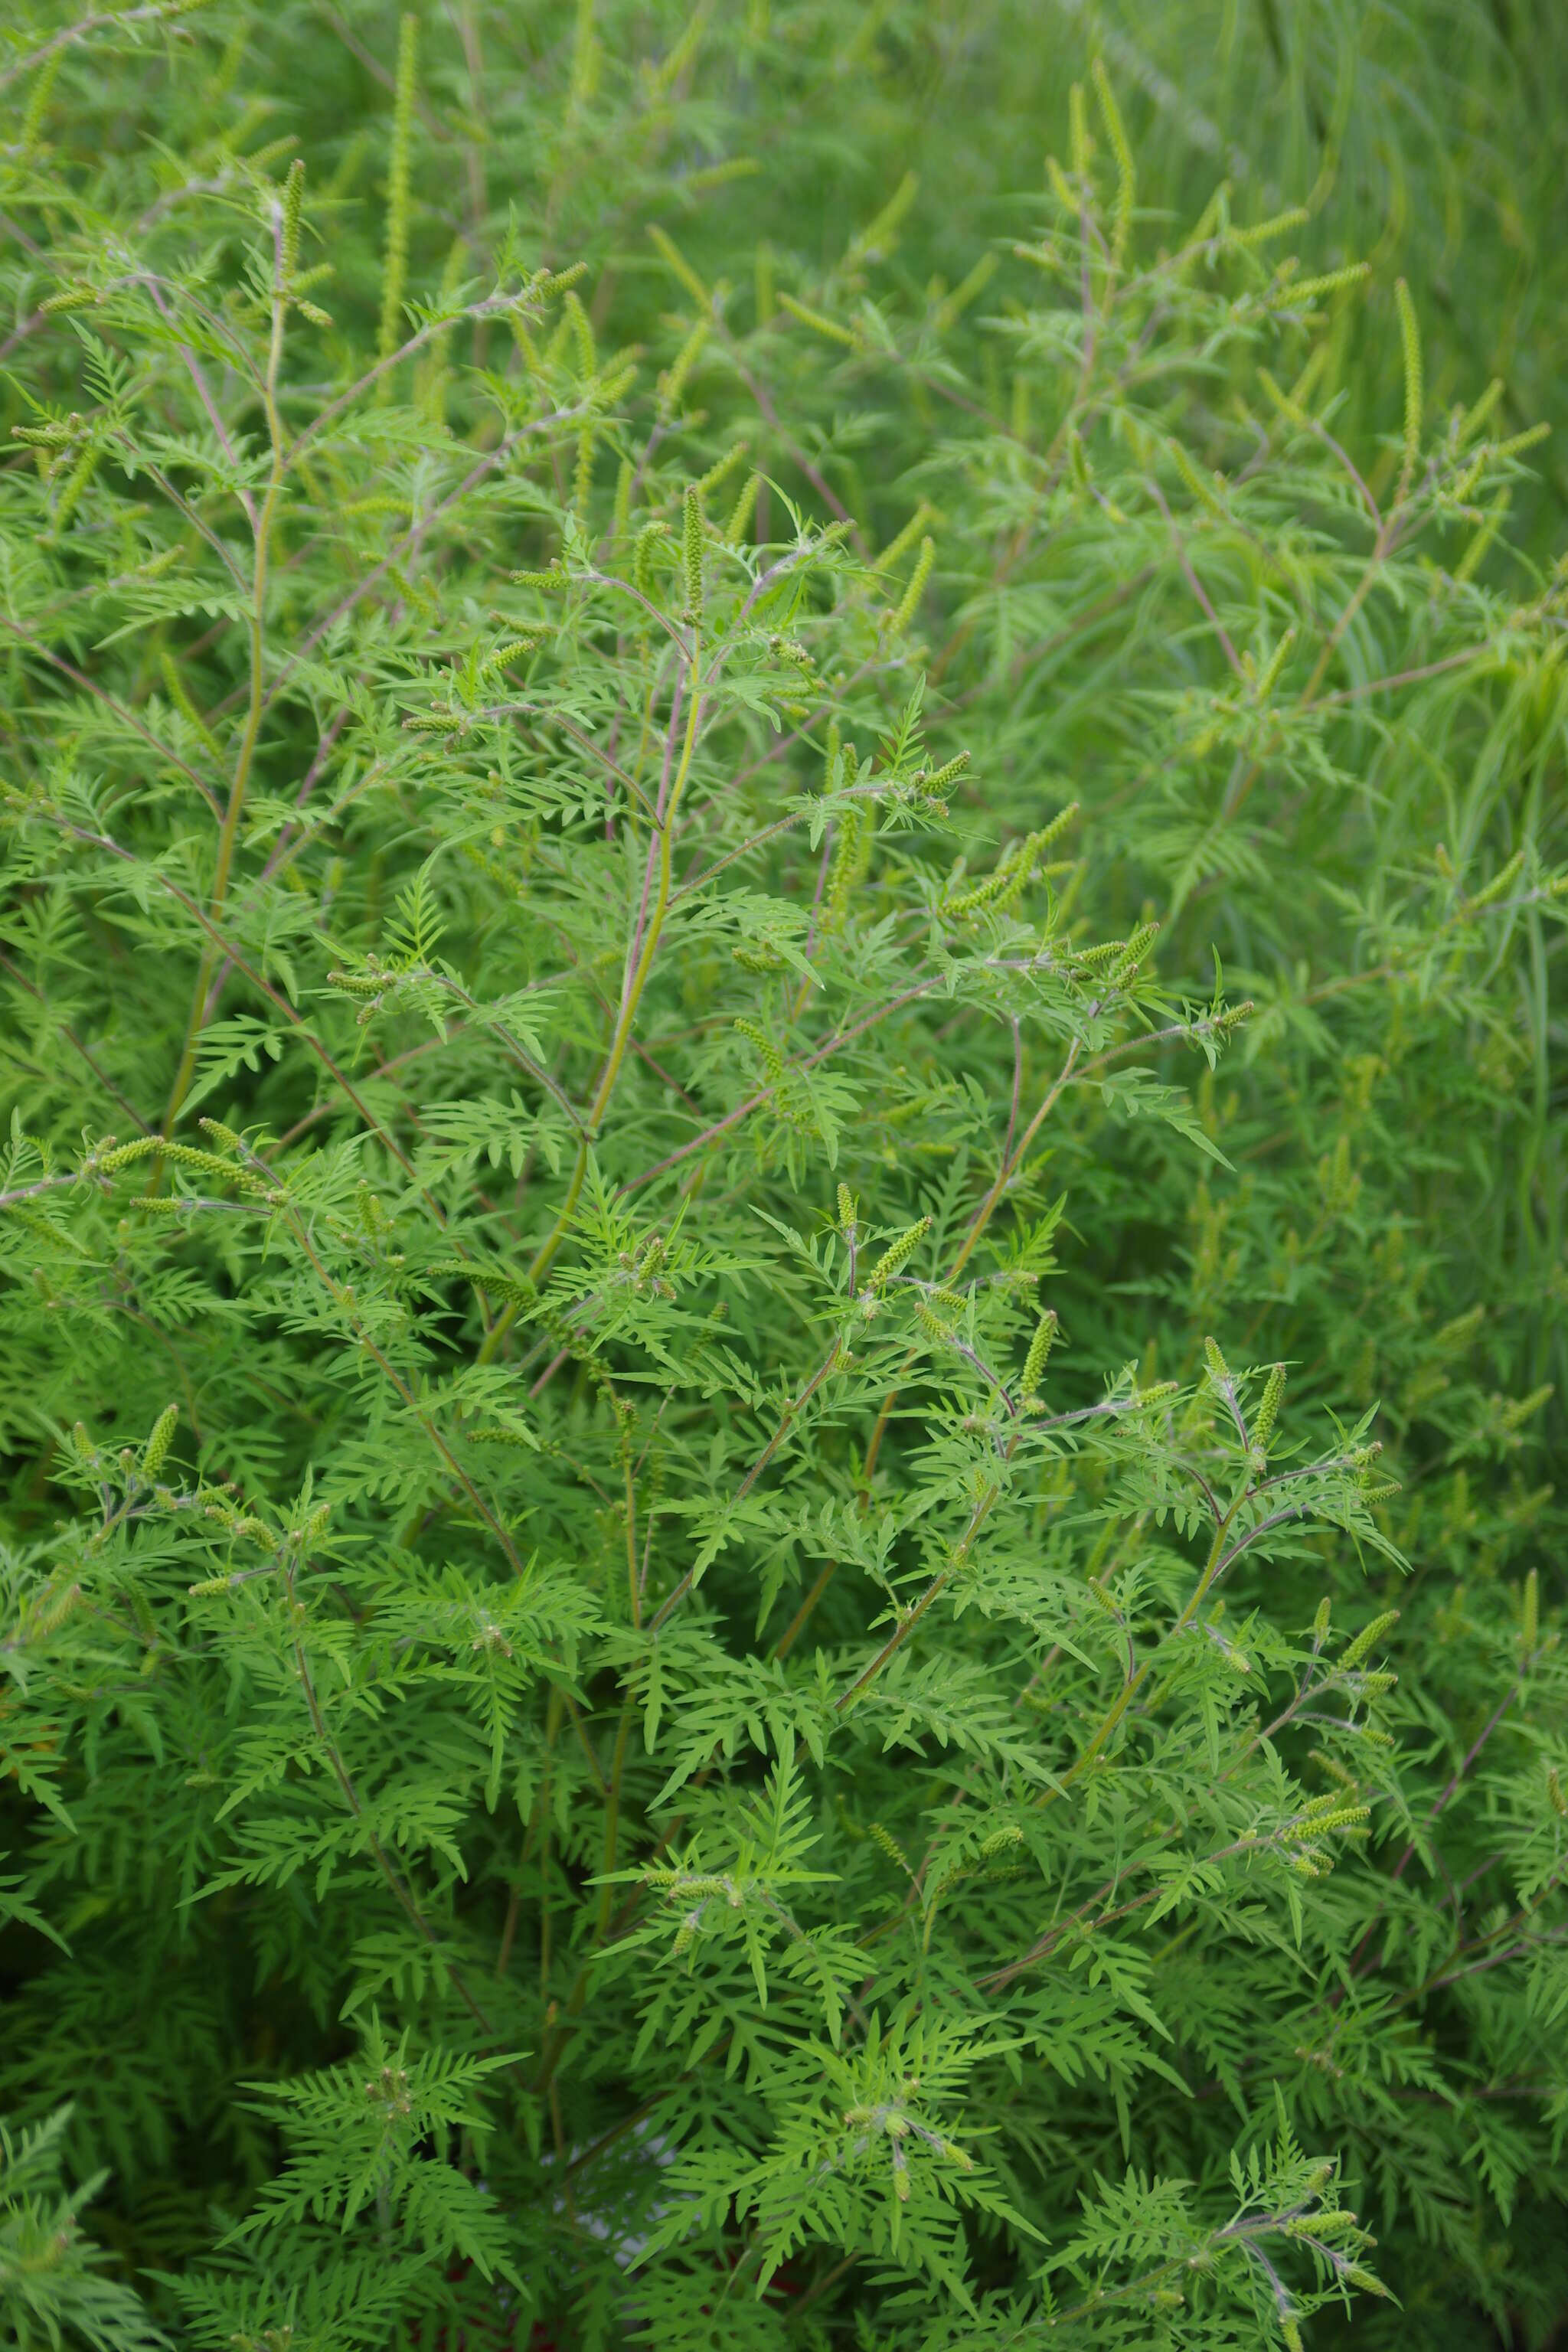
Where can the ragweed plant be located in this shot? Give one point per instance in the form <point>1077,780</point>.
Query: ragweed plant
<point>781,1225</point>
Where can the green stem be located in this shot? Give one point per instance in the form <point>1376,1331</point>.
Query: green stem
<point>1131,1687</point>
<point>612,1820</point>
<point>230,833</point>
<point>1012,1161</point>
<point>630,1001</point>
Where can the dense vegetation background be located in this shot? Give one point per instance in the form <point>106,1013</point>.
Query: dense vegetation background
<point>782,941</point>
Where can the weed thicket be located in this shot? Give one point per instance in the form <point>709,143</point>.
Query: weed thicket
<point>783,1222</point>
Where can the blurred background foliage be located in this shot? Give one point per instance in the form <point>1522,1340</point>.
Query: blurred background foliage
<point>1395,1225</point>
<point>1423,135</point>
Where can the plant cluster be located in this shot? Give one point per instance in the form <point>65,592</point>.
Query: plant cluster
<point>782,1263</point>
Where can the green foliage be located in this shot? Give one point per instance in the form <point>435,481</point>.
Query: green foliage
<point>781,1238</point>
<point>52,2289</point>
